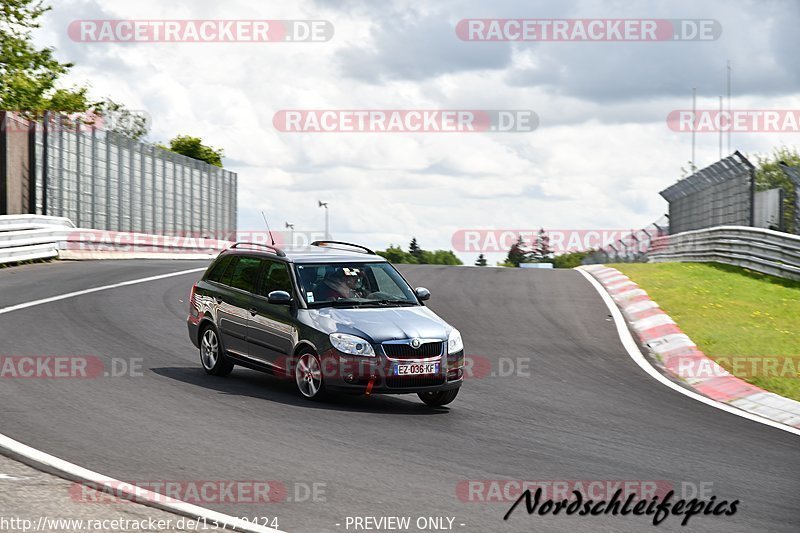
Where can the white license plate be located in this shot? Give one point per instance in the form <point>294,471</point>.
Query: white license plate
<point>415,369</point>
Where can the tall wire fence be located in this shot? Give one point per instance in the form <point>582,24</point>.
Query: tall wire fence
<point>720,194</point>
<point>103,180</point>
<point>632,247</point>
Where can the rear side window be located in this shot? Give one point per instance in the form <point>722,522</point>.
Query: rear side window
<point>228,276</point>
<point>243,274</point>
<point>276,278</point>
<point>216,272</point>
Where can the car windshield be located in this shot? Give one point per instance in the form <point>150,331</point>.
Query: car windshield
<point>353,285</point>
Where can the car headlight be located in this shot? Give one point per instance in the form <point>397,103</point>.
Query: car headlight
<point>352,345</point>
<point>454,342</point>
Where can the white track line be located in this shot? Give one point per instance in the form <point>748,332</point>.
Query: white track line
<point>73,472</point>
<point>637,356</point>
<point>49,463</point>
<point>94,289</point>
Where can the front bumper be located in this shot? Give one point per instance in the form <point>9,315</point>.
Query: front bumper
<point>375,375</point>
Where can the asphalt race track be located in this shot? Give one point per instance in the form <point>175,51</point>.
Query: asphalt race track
<point>582,410</point>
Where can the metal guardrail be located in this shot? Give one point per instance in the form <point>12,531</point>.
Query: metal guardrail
<point>761,250</point>
<point>9,222</point>
<point>27,237</point>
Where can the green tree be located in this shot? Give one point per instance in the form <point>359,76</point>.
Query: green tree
<point>415,250</point>
<point>541,251</point>
<point>481,261</point>
<point>193,147</point>
<point>29,76</point>
<point>395,254</point>
<point>517,253</point>
<point>769,175</point>
<point>440,257</point>
<point>569,260</point>
<point>119,119</point>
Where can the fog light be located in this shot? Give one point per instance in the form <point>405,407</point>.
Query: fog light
<point>350,378</point>
<point>455,374</point>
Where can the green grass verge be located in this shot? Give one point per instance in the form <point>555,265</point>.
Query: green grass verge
<point>732,312</point>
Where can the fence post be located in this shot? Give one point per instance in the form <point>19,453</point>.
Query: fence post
<point>32,198</point>
<point>45,160</point>
<point>3,165</point>
<point>793,174</point>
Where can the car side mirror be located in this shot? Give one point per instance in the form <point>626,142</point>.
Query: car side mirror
<point>279,298</point>
<point>422,293</point>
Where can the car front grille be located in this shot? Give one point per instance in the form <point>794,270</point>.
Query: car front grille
<point>406,351</point>
<point>399,382</point>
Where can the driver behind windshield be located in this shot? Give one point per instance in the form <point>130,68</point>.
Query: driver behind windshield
<point>340,283</point>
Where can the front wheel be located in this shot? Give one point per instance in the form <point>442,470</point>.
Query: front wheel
<point>439,398</point>
<point>308,376</point>
<point>212,356</point>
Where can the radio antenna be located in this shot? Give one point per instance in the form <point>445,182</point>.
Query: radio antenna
<point>268,230</point>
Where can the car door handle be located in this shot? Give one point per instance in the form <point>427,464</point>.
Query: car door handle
<point>218,299</point>
<point>253,311</point>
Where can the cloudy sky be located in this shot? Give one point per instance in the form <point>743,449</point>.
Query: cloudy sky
<point>600,155</point>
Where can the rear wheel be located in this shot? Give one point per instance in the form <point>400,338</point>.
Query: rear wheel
<point>212,356</point>
<point>438,398</point>
<point>308,376</point>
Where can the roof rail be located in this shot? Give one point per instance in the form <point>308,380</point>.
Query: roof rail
<point>326,243</point>
<point>275,249</point>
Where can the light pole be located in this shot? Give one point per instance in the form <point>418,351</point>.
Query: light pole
<point>291,233</point>
<point>325,205</point>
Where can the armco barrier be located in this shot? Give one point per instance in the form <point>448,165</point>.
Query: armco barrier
<point>26,237</point>
<point>762,250</point>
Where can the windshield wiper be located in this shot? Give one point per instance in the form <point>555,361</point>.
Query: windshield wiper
<point>339,303</point>
<point>397,303</point>
<point>347,302</point>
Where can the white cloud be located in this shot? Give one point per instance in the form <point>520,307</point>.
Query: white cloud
<point>598,160</point>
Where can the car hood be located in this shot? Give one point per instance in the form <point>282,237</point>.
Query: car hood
<point>381,324</point>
